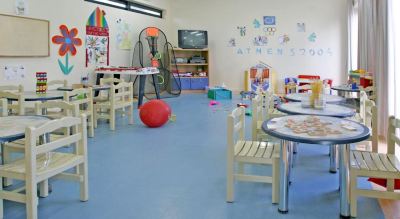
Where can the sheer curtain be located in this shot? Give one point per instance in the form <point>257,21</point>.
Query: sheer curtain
<point>373,51</point>
<point>352,40</point>
<point>394,58</point>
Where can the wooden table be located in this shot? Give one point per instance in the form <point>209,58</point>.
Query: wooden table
<point>298,97</point>
<point>277,128</point>
<point>346,91</point>
<point>33,96</point>
<point>142,73</point>
<point>94,88</point>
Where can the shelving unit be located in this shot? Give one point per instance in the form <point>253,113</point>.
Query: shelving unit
<point>195,82</point>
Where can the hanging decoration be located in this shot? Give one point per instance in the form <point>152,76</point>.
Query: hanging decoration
<point>97,39</point>
<point>256,23</point>
<point>232,42</point>
<point>284,39</point>
<point>260,41</point>
<point>269,20</point>
<point>242,30</point>
<point>301,27</point>
<point>312,37</point>
<point>68,40</point>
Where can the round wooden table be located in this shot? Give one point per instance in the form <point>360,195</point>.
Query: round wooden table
<point>346,91</point>
<point>13,127</point>
<point>49,95</point>
<point>347,132</point>
<point>298,97</point>
<point>295,108</point>
<point>94,88</point>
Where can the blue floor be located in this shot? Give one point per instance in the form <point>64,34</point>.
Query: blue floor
<point>178,171</point>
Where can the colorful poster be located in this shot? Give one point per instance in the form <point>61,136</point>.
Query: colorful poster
<point>14,72</point>
<point>97,39</point>
<point>124,35</point>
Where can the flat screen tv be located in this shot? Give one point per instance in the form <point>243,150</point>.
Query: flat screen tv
<point>192,39</point>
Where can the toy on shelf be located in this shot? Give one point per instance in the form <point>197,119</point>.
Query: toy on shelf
<point>360,77</point>
<point>41,82</point>
<point>258,78</point>
<point>290,85</point>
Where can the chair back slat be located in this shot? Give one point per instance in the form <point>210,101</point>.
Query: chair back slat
<point>392,138</point>
<point>67,109</point>
<point>363,99</point>
<point>54,145</point>
<point>19,107</point>
<point>3,107</point>
<point>14,88</point>
<point>121,92</point>
<point>257,113</point>
<point>82,97</point>
<point>110,81</point>
<point>236,126</point>
<point>53,125</point>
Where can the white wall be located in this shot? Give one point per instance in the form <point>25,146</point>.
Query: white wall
<point>74,13</point>
<point>327,18</point>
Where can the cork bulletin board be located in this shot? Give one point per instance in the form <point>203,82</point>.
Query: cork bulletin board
<point>24,37</point>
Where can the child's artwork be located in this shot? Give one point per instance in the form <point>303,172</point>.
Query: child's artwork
<point>256,24</point>
<point>242,30</point>
<point>312,37</point>
<point>124,35</point>
<point>269,20</point>
<point>68,40</point>
<point>14,72</point>
<point>97,39</point>
<point>284,39</point>
<point>21,7</point>
<point>259,78</point>
<point>301,27</point>
<point>260,41</point>
<point>232,42</point>
<point>270,30</point>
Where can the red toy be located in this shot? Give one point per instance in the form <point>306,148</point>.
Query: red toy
<point>242,105</point>
<point>155,113</point>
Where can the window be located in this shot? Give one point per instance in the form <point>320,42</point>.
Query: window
<point>394,56</point>
<point>130,6</point>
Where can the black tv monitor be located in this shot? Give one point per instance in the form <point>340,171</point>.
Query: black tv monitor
<point>192,39</point>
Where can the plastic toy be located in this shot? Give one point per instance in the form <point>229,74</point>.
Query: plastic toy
<point>213,103</point>
<point>155,113</point>
<point>242,105</point>
<point>248,112</point>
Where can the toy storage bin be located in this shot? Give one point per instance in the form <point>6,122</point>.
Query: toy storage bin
<point>219,94</point>
<point>185,84</point>
<point>198,83</point>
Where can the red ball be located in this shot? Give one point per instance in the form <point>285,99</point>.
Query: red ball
<point>154,113</point>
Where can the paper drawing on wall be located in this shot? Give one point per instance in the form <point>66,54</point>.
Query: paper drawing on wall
<point>14,72</point>
<point>284,39</point>
<point>68,41</point>
<point>312,37</point>
<point>232,42</point>
<point>97,39</point>
<point>242,30</point>
<point>260,41</point>
<point>256,23</point>
<point>269,20</point>
<point>270,30</point>
<point>21,7</point>
<point>124,35</point>
<point>240,51</point>
<point>301,27</point>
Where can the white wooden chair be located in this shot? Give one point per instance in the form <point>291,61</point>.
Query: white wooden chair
<point>57,83</point>
<point>260,112</point>
<point>372,164</point>
<point>120,98</point>
<point>3,107</point>
<point>42,161</point>
<point>18,146</point>
<point>359,117</point>
<point>249,152</point>
<point>83,99</point>
<point>104,95</point>
<point>370,120</point>
<point>15,107</point>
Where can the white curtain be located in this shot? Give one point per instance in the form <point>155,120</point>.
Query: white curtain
<point>394,58</point>
<point>352,39</point>
<point>373,51</point>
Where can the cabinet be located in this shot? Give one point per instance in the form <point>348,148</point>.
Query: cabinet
<point>194,76</point>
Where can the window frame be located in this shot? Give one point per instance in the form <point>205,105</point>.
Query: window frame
<point>128,4</point>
